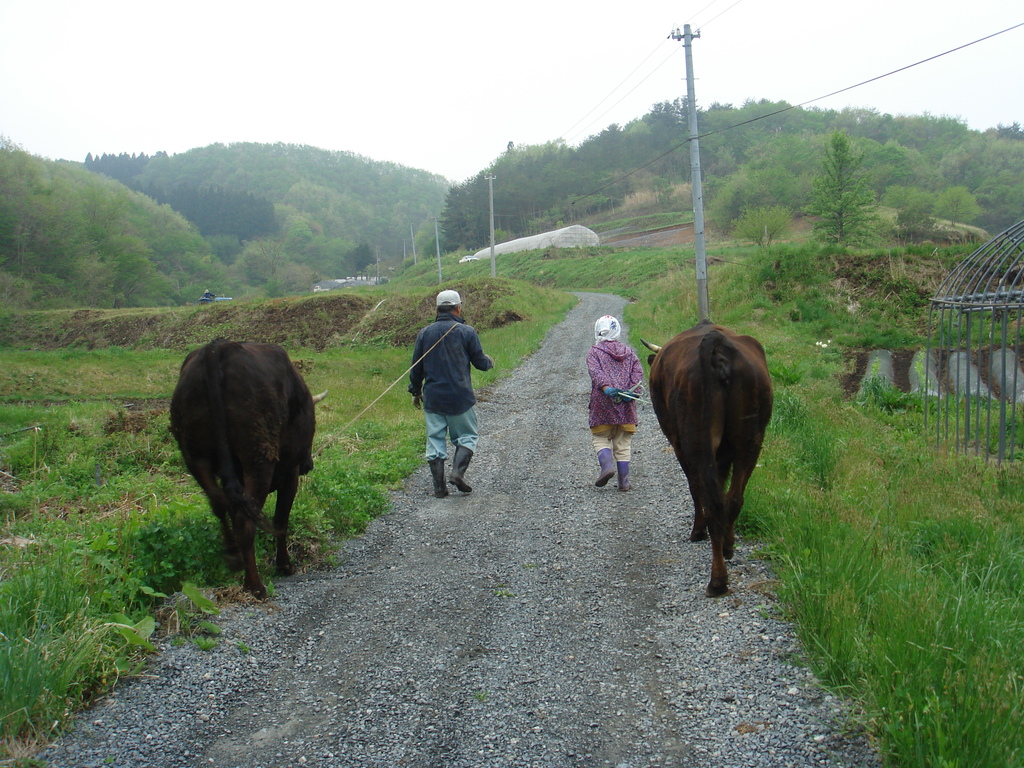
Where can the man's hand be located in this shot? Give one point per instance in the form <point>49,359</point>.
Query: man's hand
<point>417,402</point>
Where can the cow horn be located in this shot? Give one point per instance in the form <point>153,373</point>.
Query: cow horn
<point>653,347</point>
<point>318,398</point>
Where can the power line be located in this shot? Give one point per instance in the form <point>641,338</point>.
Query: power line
<point>565,134</point>
<point>719,14</point>
<point>613,90</point>
<point>673,53</point>
<point>698,13</point>
<point>794,106</point>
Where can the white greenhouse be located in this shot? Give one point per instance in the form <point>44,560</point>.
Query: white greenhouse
<point>567,237</point>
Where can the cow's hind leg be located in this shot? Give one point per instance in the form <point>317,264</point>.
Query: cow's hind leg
<point>741,473</point>
<point>282,511</point>
<point>724,461</point>
<point>247,519</point>
<point>699,532</point>
<point>245,534</point>
<point>207,479</point>
<point>719,584</point>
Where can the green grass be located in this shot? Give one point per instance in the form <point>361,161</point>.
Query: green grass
<point>100,518</point>
<point>627,272</point>
<point>84,375</point>
<point>901,566</point>
<point>57,653</point>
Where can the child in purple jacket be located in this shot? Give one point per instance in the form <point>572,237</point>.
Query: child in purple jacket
<point>615,375</point>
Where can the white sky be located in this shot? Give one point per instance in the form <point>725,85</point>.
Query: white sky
<point>445,85</point>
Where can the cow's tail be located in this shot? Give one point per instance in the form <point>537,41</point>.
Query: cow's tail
<point>230,482</point>
<point>716,374</point>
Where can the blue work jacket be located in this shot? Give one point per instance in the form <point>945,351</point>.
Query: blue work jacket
<point>442,377</point>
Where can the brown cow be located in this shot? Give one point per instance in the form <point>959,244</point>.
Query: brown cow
<point>713,397</point>
<point>243,418</point>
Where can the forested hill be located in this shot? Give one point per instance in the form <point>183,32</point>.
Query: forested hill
<point>270,220</point>
<point>240,220</point>
<point>238,192</point>
<point>756,155</point>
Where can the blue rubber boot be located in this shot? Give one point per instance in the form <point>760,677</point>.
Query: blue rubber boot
<point>607,467</point>
<point>623,467</point>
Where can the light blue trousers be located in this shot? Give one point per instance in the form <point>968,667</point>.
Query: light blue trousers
<point>461,429</point>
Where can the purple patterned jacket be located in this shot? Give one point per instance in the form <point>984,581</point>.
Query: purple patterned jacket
<point>612,364</point>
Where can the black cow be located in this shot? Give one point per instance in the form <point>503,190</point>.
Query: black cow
<point>243,418</point>
<point>713,397</point>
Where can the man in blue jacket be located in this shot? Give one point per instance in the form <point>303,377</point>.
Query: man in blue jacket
<point>440,382</point>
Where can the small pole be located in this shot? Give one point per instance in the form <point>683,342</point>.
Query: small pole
<point>412,239</point>
<point>490,183</point>
<point>437,241</point>
<point>695,180</point>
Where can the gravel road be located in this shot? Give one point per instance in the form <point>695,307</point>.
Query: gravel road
<point>537,621</point>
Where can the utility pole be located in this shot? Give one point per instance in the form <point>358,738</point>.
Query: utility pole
<point>490,184</point>
<point>378,264</point>
<point>437,241</point>
<point>412,239</point>
<point>695,180</point>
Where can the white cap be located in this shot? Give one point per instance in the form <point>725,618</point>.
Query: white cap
<point>449,299</point>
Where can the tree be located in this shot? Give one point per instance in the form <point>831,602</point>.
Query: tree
<point>764,224</point>
<point>260,260</point>
<point>913,206</point>
<point>360,257</point>
<point>958,205</point>
<point>1012,131</point>
<point>841,196</point>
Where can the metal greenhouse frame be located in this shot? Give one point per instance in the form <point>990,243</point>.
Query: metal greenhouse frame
<point>971,372</point>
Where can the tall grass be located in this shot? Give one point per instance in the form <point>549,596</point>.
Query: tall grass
<point>54,653</point>
<point>909,604</point>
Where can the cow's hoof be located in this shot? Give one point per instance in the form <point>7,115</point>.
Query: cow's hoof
<point>701,535</point>
<point>286,569</point>
<point>717,590</point>
<point>727,552</point>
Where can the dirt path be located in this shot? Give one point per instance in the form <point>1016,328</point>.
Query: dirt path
<point>538,621</point>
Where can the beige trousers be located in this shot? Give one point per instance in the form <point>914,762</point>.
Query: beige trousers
<point>616,437</point>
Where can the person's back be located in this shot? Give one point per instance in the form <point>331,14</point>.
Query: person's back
<point>440,382</point>
<point>615,378</point>
<point>446,371</point>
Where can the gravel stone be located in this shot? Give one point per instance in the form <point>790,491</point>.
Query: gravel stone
<point>538,621</point>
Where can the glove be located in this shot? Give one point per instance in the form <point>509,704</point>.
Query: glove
<point>417,402</point>
<point>614,394</point>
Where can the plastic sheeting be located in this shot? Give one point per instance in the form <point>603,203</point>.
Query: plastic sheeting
<point>567,237</point>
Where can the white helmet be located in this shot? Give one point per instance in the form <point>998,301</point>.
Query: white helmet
<point>449,299</point>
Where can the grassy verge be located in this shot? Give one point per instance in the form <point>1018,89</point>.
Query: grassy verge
<point>901,566</point>
<point>626,272</point>
<point>99,520</point>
